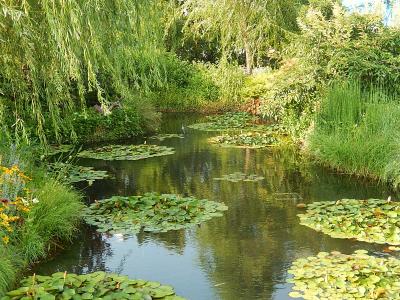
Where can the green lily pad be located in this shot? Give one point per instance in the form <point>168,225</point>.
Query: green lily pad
<point>162,137</point>
<point>373,220</point>
<point>98,285</point>
<point>71,174</point>
<point>126,152</point>
<point>245,140</point>
<point>340,276</point>
<point>151,212</point>
<point>58,149</point>
<point>239,176</point>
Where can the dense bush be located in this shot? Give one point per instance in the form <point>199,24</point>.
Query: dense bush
<point>357,132</point>
<point>198,86</point>
<point>333,44</point>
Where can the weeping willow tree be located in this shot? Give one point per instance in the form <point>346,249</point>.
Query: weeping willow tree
<point>55,52</point>
<point>249,26</point>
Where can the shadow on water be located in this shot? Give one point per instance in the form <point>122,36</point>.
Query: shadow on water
<point>243,255</point>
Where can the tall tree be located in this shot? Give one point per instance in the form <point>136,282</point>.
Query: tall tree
<point>249,26</point>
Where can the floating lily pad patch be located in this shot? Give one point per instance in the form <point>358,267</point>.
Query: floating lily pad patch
<point>71,174</point>
<point>151,212</point>
<point>239,176</point>
<point>339,276</point>
<point>373,221</point>
<point>245,140</point>
<point>98,285</point>
<point>126,152</point>
<point>228,121</point>
<point>163,136</point>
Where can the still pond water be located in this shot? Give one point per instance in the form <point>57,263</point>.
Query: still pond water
<point>243,255</point>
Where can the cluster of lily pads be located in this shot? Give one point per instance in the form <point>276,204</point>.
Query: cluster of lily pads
<point>245,140</point>
<point>372,220</point>
<point>228,121</point>
<point>339,276</point>
<point>126,152</point>
<point>151,212</point>
<point>163,136</point>
<point>239,176</point>
<point>69,173</point>
<point>98,285</point>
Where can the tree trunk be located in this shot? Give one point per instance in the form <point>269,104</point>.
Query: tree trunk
<point>249,58</point>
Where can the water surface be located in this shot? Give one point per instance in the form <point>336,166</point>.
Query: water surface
<point>243,255</point>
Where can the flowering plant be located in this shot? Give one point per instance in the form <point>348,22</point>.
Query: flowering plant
<point>15,200</point>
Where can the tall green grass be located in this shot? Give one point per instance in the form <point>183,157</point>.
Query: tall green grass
<point>358,132</point>
<point>49,222</point>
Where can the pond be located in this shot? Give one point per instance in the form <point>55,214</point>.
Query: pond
<point>243,255</point>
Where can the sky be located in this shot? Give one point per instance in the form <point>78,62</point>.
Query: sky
<point>390,15</point>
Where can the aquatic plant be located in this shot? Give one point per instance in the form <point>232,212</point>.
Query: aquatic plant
<point>372,220</point>
<point>163,136</point>
<point>245,140</point>
<point>69,173</point>
<point>226,122</point>
<point>339,276</point>
<point>98,285</point>
<point>151,212</point>
<point>239,176</point>
<point>58,149</point>
<point>126,152</point>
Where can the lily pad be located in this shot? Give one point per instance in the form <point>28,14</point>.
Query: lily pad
<point>239,176</point>
<point>163,136</point>
<point>228,122</point>
<point>373,220</point>
<point>340,276</point>
<point>151,212</point>
<point>245,140</point>
<point>98,285</point>
<point>71,174</point>
<point>126,152</point>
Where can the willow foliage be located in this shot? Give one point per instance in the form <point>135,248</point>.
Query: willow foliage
<point>249,26</point>
<point>55,52</point>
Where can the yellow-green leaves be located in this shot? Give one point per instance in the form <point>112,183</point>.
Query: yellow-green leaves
<point>373,221</point>
<point>340,276</point>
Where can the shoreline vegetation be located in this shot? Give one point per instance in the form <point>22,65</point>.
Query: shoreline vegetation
<point>324,76</point>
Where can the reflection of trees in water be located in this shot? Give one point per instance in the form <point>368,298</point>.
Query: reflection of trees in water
<point>87,253</point>
<point>172,240</point>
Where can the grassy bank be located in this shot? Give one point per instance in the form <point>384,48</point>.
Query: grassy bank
<point>36,214</point>
<point>357,132</point>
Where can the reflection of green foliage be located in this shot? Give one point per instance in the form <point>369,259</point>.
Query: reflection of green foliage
<point>245,140</point>
<point>70,174</point>
<point>161,137</point>
<point>373,221</point>
<point>98,285</point>
<point>239,176</point>
<point>340,276</point>
<point>153,212</point>
<point>126,152</point>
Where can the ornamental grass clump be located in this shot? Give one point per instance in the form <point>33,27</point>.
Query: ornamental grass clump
<point>338,276</point>
<point>98,285</point>
<point>372,220</point>
<point>151,212</point>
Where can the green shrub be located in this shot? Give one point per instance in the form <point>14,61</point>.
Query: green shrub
<point>358,132</point>
<point>333,45</point>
